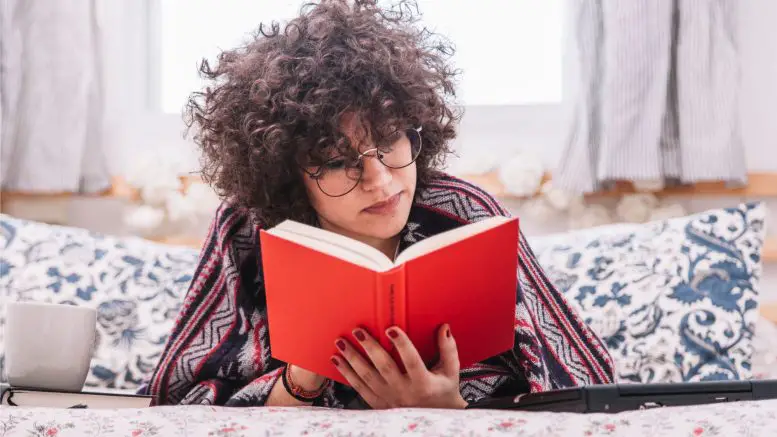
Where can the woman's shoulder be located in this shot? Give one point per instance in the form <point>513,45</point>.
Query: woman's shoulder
<point>454,196</point>
<point>233,227</point>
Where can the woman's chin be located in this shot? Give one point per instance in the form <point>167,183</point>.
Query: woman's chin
<point>392,232</point>
<point>387,228</point>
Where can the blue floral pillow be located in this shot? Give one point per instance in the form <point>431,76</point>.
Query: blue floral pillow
<point>136,286</point>
<point>674,300</point>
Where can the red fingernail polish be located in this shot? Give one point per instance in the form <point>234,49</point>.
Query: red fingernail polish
<point>359,334</point>
<point>335,361</point>
<point>340,345</point>
<point>393,333</point>
<point>448,332</point>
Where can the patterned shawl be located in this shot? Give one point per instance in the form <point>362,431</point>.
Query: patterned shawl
<point>219,352</point>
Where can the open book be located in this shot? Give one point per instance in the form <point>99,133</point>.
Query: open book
<point>320,286</point>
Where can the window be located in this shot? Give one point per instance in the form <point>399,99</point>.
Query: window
<point>509,51</point>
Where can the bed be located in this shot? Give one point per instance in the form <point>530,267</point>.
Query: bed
<point>739,419</point>
<point>696,277</point>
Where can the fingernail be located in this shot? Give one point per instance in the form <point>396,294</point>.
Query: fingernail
<point>392,333</point>
<point>359,334</point>
<point>448,332</point>
<point>335,361</point>
<point>340,345</point>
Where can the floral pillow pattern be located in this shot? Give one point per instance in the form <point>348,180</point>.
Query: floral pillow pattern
<point>674,300</point>
<point>136,286</point>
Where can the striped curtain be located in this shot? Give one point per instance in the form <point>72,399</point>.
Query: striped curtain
<point>52,96</point>
<point>655,94</point>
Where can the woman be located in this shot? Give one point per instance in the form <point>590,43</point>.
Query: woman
<point>339,120</point>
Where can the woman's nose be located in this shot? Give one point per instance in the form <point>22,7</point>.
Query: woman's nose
<point>375,175</point>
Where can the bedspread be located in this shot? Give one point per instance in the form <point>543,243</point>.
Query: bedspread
<point>740,418</point>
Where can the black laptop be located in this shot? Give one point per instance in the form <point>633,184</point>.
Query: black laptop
<point>614,398</point>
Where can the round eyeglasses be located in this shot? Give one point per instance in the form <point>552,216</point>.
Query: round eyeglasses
<point>338,176</point>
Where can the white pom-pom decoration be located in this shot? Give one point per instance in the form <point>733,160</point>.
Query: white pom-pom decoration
<point>204,199</point>
<point>156,174</point>
<point>590,216</point>
<point>180,208</point>
<point>666,212</point>
<point>537,209</point>
<point>144,218</point>
<point>522,174</point>
<point>558,198</point>
<point>155,193</point>
<point>636,208</point>
<point>152,167</point>
<point>141,170</point>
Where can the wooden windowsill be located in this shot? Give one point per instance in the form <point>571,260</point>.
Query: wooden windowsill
<point>758,185</point>
<point>119,188</point>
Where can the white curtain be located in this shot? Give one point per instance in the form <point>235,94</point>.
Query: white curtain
<point>58,93</point>
<point>657,89</point>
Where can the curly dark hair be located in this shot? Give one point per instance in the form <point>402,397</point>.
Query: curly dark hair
<point>277,102</point>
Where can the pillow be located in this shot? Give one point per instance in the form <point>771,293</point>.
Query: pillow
<point>674,300</point>
<point>137,287</point>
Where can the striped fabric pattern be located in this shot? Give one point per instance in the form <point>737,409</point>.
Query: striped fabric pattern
<point>219,352</point>
<point>657,94</point>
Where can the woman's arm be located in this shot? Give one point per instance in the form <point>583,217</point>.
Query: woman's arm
<point>218,352</point>
<point>309,381</point>
<point>551,338</point>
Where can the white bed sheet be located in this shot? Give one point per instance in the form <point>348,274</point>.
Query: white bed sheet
<point>754,418</point>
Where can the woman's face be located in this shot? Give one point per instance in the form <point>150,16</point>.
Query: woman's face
<point>378,206</point>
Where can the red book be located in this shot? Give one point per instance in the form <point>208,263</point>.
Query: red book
<point>321,285</point>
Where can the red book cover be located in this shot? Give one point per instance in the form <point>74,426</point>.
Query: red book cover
<point>467,278</point>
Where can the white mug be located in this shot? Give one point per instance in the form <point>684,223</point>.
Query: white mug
<point>48,346</point>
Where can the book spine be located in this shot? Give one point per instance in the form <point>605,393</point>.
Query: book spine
<point>391,303</point>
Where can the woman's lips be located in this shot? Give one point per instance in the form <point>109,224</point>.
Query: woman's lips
<point>385,207</point>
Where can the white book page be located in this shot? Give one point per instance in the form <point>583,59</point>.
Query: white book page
<point>338,246</point>
<point>447,238</point>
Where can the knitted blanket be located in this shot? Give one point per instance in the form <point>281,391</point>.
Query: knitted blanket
<point>219,351</point>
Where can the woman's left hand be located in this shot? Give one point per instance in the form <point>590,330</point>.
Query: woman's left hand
<point>381,383</point>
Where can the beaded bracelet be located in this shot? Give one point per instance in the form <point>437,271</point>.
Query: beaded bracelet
<point>298,392</point>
